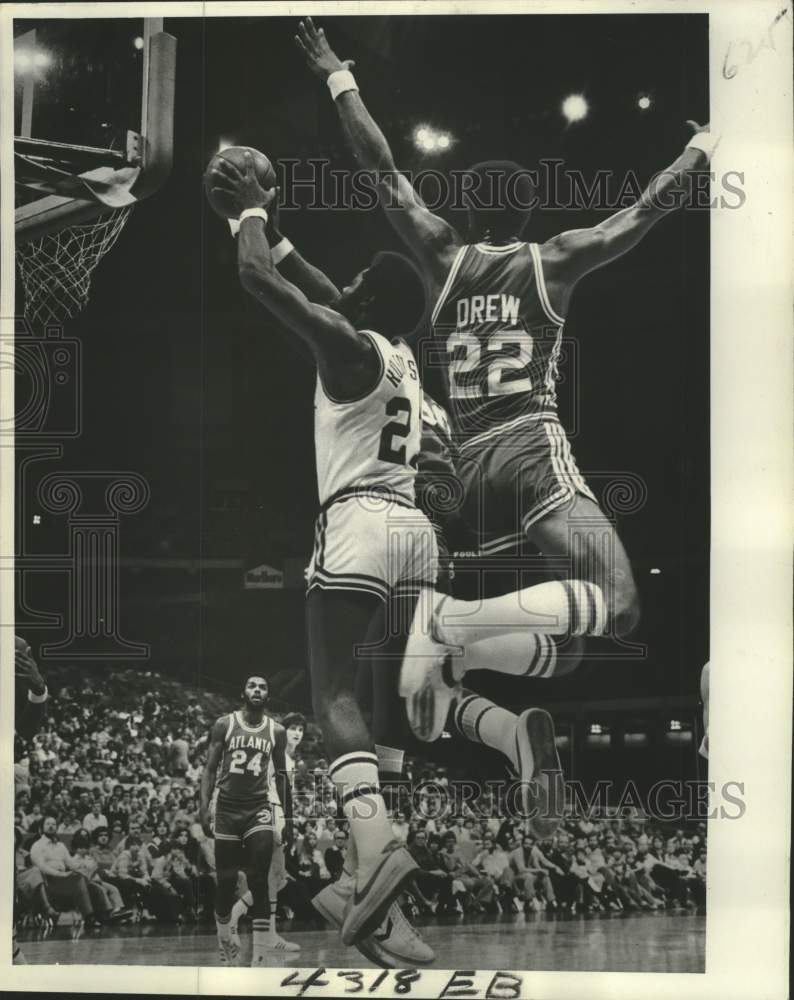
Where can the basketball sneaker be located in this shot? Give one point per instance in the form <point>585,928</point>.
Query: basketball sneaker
<point>277,943</point>
<point>429,682</point>
<point>228,950</point>
<point>540,771</point>
<point>395,944</point>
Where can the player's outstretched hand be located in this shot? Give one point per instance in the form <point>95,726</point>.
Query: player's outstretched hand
<point>242,186</point>
<point>320,57</point>
<point>26,668</point>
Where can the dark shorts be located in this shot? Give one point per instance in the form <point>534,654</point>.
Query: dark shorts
<point>236,821</point>
<point>513,476</point>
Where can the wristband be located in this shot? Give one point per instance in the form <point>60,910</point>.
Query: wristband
<point>251,213</point>
<point>281,250</point>
<point>340,81</point>
<point>706,142</point>
<point>37,699</point>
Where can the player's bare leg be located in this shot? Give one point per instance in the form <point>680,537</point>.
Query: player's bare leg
<point>276,880</point>
<point>258,851</point>
<point>338,622</point>
<point>228,861</point>
<point>704,695</point>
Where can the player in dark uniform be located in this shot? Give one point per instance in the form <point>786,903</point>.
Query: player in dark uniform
<point>500,308</point>
<point>28,717</point>
<point>242,746</point>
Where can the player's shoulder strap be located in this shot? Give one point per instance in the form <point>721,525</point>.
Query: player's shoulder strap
<point>540,283</point>
<point>223,726</point>
<point>454,268</point>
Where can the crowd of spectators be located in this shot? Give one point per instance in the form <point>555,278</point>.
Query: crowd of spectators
<point>106,825</point>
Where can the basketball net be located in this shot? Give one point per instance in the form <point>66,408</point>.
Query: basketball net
<point>56,269</point>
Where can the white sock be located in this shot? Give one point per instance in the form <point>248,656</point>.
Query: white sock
<point>557,607</point>
<point>260,935</point>
<point>520,654</point>
<point>480,721</point>
<point>272,929</point>
<point>222,924</point>
<point>355,776</point>
<point>239,909</point>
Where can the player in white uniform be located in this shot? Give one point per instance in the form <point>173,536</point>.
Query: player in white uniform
<point>373,548</point>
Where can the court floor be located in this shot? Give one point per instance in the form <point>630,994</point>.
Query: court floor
<point>614,942</point>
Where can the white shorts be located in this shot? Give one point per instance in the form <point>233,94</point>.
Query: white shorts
<point>365,542</point>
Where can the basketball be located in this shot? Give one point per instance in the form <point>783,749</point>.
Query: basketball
<point>265,173</point>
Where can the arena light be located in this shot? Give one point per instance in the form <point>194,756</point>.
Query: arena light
<point>655,571</point>
<point>575,107</point>
<point>675,726</point>
<point>595,729</point>
<point>27,59</point>
<point>428,140</point>
<point>138,42</point>
<point>643,102</point>
<point>23,60</point>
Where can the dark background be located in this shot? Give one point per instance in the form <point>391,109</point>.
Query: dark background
<point>185,383</point>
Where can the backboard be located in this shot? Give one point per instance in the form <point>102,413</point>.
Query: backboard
<point>93,118</point>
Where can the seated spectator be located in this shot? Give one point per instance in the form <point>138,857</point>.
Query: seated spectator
<point>335,855</point>
<point>69,824</point>
<point>494,862</point>
<point>86,865</point>
<point>132,873</point>
<point>95,817</point>
<point>477,891</point>
<point>434,882</point>
<point>66,888</point>
<point>400,827</point>
<point>31,888</point>
<point>173,871</point>
<point>309,865</point>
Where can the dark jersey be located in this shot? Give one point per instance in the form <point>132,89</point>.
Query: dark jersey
<point>439,490</point>
<point>501,337</point>
<point>245,764</point>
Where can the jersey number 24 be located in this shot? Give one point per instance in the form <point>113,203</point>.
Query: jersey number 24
<point>393,436</point>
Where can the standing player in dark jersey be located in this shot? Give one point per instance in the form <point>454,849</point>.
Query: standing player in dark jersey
<point>242,746</point>
<point>27,720</point>
<point>500,307</point>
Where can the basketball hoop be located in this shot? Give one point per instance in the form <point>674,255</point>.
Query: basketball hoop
<point>74,200</point>
<point>56,269</point>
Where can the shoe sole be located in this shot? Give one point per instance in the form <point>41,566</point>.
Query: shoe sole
<point>386,887</point>
<point>368,949</point>
<point>536,734</point>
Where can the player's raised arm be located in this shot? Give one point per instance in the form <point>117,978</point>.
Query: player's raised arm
<point>571,255</point>
<point>432,239</point>
<point>283,785</point>
<point>29,719</point>
<point>208,775</point>
<point>347,361</point>
<point>314,283</point>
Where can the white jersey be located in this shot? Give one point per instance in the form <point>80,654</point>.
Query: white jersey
<point>372,442</point>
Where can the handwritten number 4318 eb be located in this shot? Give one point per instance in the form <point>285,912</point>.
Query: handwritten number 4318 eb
<point>354,981</point>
